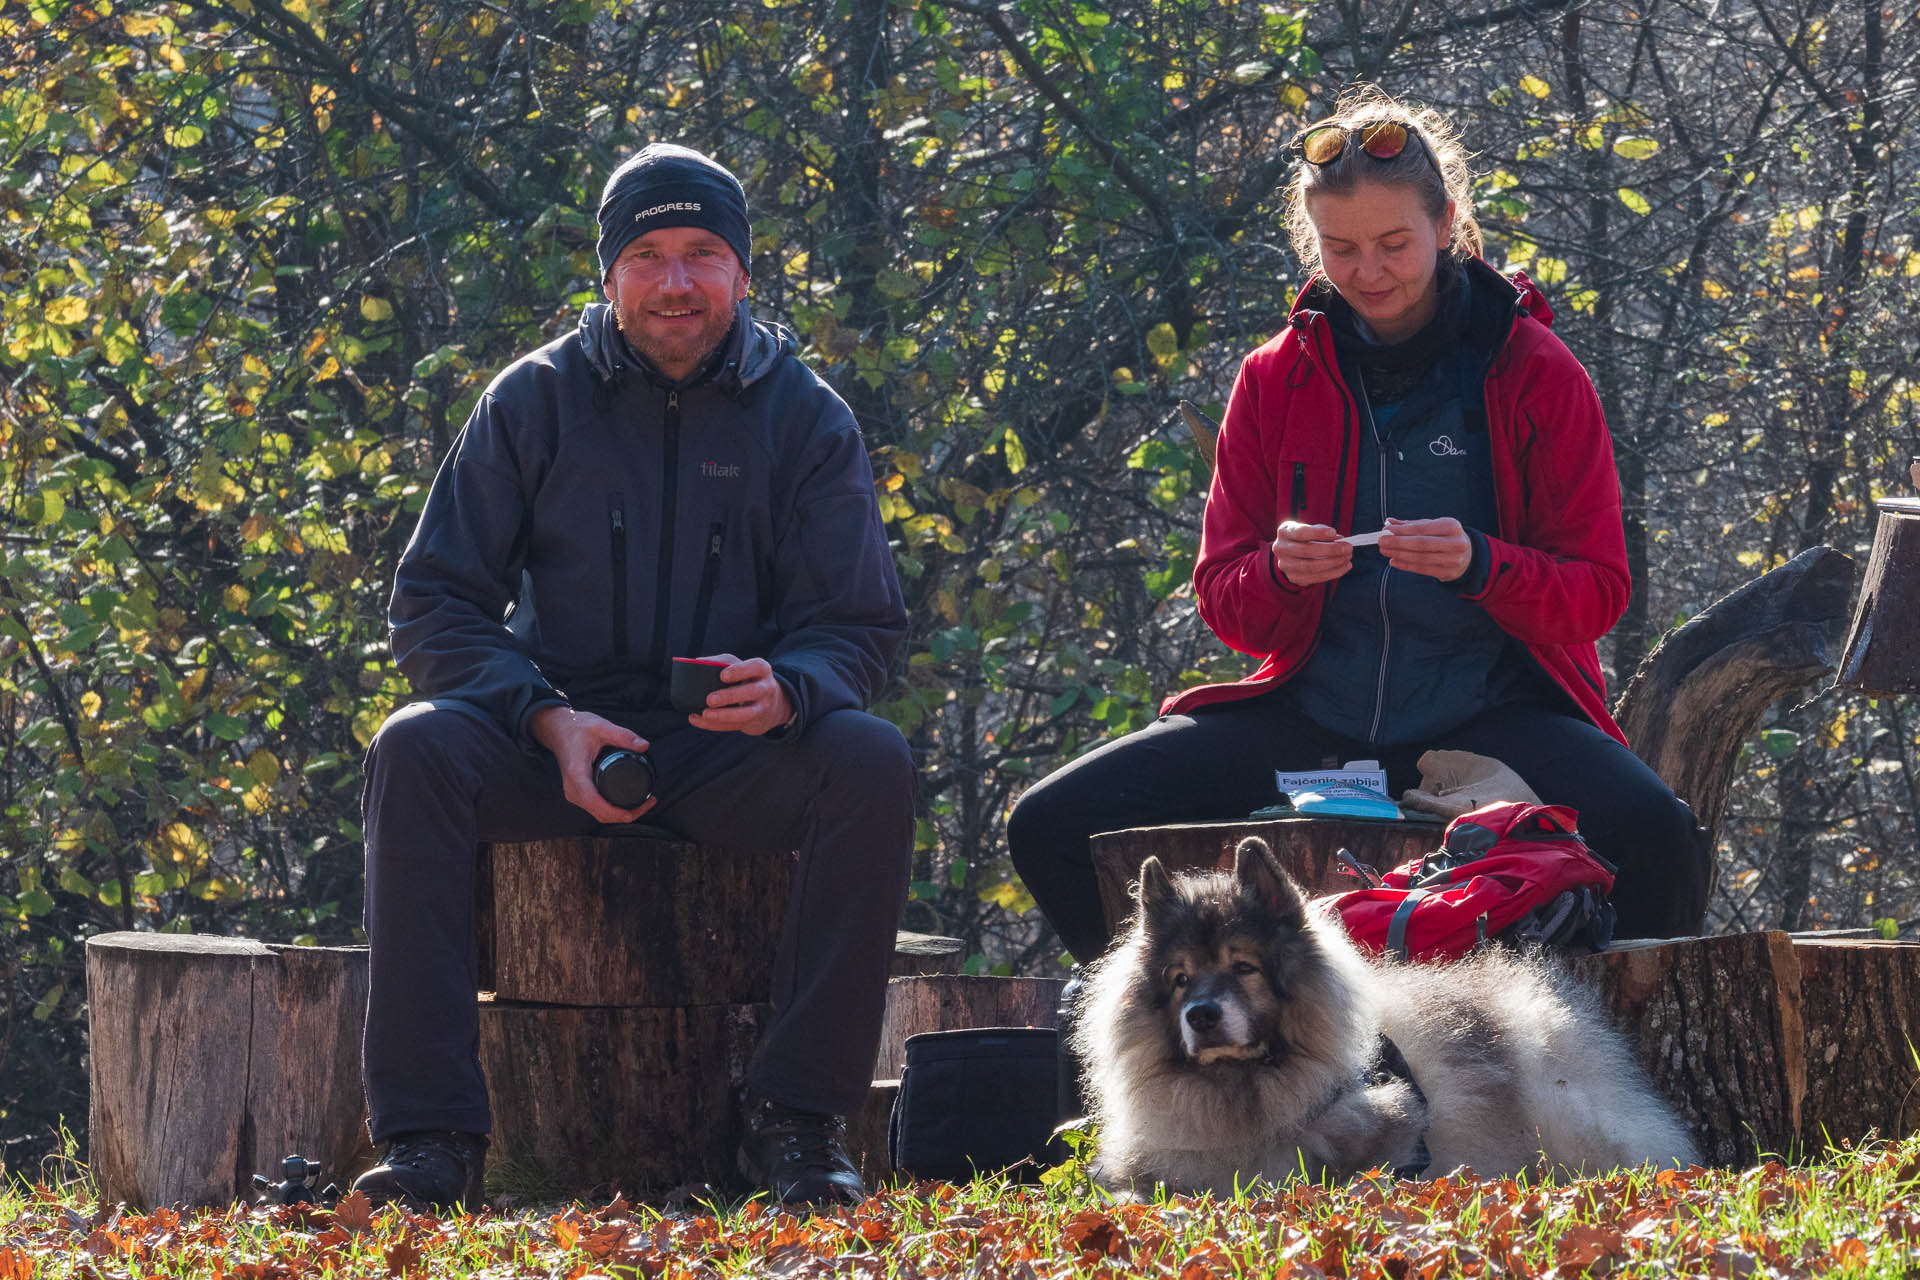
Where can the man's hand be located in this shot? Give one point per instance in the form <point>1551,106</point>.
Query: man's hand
<point>576,739</point>
<point>1307,554</point>
<point>752,701</point>
<point>1434,548</point>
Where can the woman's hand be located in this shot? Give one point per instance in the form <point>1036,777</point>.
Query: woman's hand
<point>1307,554</point>
<point>1433,548</point>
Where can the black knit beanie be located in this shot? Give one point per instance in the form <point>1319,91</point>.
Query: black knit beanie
<point>668,186</point>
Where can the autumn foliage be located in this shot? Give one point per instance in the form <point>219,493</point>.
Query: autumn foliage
<point>1853,1216</point>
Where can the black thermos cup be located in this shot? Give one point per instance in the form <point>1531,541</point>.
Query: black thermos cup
<point>623,778</point>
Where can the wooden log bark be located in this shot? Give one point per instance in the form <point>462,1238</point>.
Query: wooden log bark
<point>634,921</point>
<point>926,953</point>
<point>1861,1004</point>
<point>1882,655</point>
<point>1692,703</point>
<point>1717,1022</point>
<point>645,1098</point>
<point>948,1002</point>
<point>210,1059</point>
<point>1305,847</point>
<point>867,1133</point>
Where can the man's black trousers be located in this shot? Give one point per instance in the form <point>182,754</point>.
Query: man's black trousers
<point>441,778</point>
<point>1218,763</point>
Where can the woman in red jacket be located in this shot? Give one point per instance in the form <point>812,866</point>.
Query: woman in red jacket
<point>1418,394</point>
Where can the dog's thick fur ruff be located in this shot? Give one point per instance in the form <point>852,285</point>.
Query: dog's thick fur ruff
<point>1227,1032</point>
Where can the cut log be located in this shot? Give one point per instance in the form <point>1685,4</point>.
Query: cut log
<point>645,1098</point>
<point>210,1059</point>
<point>867,1133</point>
<point>633,921</point>
<point>926,953</point>
<point>949,1002</point>
<point>1305,847</point>
<point>1717,1023</point>
<point>1861,1003</point>
<point>1692,703</point>
<point>1882,656</point>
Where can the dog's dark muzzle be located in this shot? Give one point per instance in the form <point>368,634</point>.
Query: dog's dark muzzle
<point>1202,1015</point>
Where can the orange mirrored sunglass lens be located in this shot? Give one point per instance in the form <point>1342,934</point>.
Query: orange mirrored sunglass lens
<point>1323,145</point>
<point>1384,141</point>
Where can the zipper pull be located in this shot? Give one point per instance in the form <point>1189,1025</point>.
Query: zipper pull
<point>1352,866</point>
<point>673,402</point>
<point>619,521</point>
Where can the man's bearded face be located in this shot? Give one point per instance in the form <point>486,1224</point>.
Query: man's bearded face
<point>674,291</point>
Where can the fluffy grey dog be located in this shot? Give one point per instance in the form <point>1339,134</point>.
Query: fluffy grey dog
<point>1234,1033</point>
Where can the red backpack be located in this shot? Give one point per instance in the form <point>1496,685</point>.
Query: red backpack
<point>1519,872</point>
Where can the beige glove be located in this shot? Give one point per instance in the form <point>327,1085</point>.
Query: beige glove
<point>1452,782</point>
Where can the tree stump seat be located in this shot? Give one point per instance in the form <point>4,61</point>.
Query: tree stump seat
<point>210,1059</point>
<point>627,980</point>
<point>1306,847</point>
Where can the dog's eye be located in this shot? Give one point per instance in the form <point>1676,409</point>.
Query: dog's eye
<point>1242,968</point>
<point>1176,980</point>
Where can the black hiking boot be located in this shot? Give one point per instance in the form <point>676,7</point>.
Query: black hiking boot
<point>432,1169</point>
<point>798,1156</point>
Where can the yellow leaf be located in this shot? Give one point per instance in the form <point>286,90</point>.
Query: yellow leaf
<point>235,598</point>
<point>374,310</point>
<point>1634,147</point>
<point>66,310</point>
<point>190,687</point>
<point>141,24</point>
<point>90,704</point>
<point>256,800</point>
<point>264,766</point>
<point>178,841</point>
<point>1535,86</point>
<point>1634,201</point>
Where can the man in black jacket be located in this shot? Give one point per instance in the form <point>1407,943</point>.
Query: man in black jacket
<point>669,480</point>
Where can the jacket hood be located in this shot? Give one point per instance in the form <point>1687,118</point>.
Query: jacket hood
<point>752,349</point>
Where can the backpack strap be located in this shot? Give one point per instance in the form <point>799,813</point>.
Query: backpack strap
<point>1397,927</point>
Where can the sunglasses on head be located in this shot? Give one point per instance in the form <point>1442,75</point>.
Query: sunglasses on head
<point>1322,144</point>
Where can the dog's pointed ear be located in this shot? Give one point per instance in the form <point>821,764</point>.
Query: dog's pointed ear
<point>1261,876</point>
<point>1155,887</point>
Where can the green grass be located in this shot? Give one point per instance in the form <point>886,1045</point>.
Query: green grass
<point>1854,1213</point>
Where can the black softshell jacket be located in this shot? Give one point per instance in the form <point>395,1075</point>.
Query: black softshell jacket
<point>593,521</point>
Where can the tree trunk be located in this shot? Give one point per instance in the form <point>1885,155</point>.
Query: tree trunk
<point>210,1059</point>
<point>1306,847</point>
<point>1882,656</point>
<point>1717,1023</point>
<point>633,921</point>
<point>1861,1004</point>
<point>1691,705</point>
<point>951,1002</point>
<point>639,1097</point>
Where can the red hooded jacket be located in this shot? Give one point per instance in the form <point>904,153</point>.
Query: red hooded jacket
<point>1558,575</point>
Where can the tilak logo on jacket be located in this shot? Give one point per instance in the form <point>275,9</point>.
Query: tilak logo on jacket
<point>720,470</point>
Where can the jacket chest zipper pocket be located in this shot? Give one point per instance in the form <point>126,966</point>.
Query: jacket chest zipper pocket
<point>617,546</point>
<point>1299,503</point>
<point>709,577</point>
